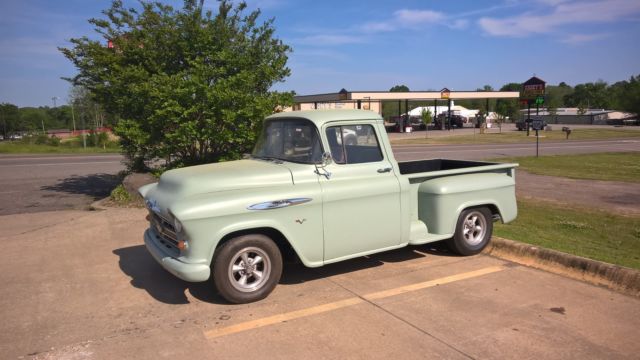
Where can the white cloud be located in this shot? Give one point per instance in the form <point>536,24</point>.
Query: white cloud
<point>413,18</point>
<point>375,27</point>
<point>459,24</point>
<point>331,39</point>
<point>575,39</point>
<point>314,53</point>
<point>418,17</point>
<point>564,13</point>
<point>552,2</point>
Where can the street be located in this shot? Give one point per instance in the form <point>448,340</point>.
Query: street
<point>35,183</point>
<point>480,152</point>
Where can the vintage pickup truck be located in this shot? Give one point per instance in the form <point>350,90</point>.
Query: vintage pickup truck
<point>308,194</point>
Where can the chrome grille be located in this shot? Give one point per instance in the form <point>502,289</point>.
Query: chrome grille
<point>165,231</point>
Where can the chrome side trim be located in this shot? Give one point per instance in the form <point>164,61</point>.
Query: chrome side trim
<point>277,204</point>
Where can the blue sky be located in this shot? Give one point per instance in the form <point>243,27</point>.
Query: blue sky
<point>368,45</point>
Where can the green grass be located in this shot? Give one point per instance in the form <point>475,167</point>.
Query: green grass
<point>511,137</point>
<point>603,166</point>
<point>120,195</point>
<point>7,147</point>
<point>588,233</point>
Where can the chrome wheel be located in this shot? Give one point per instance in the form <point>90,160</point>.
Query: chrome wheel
<point>474,228</point>
<point>249,269</point>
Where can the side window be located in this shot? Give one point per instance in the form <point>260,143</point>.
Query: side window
<point>353,144</point>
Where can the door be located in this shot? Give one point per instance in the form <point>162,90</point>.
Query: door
<point>361,211</point>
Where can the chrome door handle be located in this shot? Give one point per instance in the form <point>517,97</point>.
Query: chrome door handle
<point>385,170</point>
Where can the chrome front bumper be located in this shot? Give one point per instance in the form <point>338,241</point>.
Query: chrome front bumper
<point>185,271</point>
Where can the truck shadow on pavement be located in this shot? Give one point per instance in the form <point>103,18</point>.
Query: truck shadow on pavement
<point>296,273</point>
<point>148,275</point>
<point>97,185</point>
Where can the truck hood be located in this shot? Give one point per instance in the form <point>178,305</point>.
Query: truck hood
<point>230,175</point>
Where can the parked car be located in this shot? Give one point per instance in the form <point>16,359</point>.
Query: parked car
<point>395,122</point>
<point>522,125</point>
<point>456,121</point>
<point>232,223</point>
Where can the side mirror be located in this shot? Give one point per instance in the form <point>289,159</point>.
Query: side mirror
<point>320,168</point>
<point>326,158</point>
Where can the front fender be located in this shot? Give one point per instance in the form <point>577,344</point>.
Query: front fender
<point>208,218</point>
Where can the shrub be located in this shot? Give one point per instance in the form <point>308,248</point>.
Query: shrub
<point>120,195</point>
<point>53,141</point>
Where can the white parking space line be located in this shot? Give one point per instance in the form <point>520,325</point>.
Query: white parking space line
<point>280,318</point>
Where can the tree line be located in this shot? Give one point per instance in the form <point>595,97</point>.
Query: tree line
<point>82,113</point>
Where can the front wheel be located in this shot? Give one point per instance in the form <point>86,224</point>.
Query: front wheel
<point>247,268</point>
<point>473,231</point>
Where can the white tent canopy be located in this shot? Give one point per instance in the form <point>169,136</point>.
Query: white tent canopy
<point>455,110</point>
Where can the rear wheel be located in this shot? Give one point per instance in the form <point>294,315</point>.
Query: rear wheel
<point>247,268</point>
<point>473,231</point>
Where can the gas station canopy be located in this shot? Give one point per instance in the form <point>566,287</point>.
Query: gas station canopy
<point>371,100</point>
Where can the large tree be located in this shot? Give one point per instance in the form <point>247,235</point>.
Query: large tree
<point>185,84</point>
<point>9,120</point>
<point>399,88</point>
<point>509,107</point>
<point>589,95</point>
<point>626,95</point>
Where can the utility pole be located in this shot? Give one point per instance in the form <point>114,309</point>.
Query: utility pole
<point>54,100</point>
<point>73,118</point>
<point>84,137</point>
<point>4,122</point>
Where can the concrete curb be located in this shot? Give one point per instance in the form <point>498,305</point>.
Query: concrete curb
<point>98,205</point>
<point>615,277</point>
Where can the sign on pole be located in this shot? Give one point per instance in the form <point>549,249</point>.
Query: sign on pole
<point>537,124</point>
<point>533,88</point>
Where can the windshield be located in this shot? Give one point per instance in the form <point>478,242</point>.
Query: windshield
<point>294,140</point>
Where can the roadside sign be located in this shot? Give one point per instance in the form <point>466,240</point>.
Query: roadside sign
<point>539,100</point>
<point>537,124</point>
<point>533,88</point>
<point>445,93</point>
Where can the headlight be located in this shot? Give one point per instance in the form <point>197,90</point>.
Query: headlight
<point>177,225</point>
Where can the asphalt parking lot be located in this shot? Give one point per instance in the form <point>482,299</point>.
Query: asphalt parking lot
<point>80,285</point>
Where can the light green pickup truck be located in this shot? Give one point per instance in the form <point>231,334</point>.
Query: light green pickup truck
<point>320,186</point>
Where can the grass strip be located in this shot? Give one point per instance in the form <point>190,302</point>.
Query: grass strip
<point>513,137</point>
<point>623,167</point>
<point>589,233</point>
<point>21,148</point>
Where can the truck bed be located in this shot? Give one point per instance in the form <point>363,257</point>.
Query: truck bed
<point>420,166</point>
<point>421,170</point>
